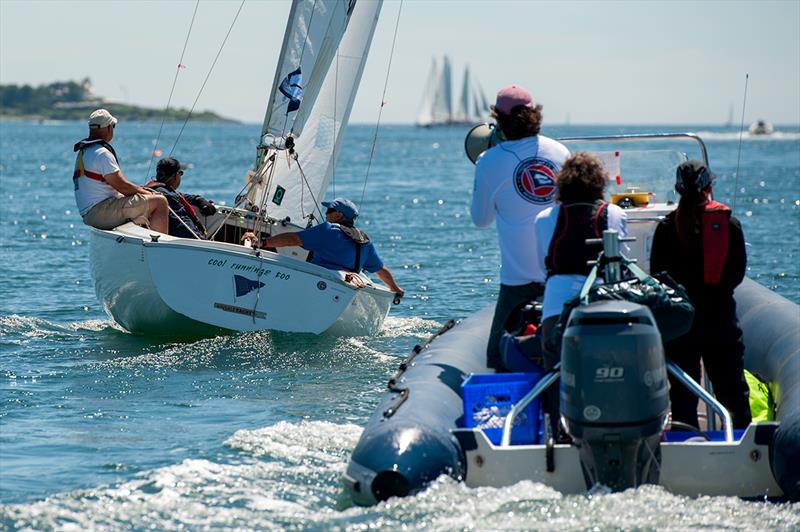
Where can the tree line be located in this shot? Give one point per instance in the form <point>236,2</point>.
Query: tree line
<point>74,100</point>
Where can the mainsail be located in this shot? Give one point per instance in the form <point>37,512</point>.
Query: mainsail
<point>294,174</point>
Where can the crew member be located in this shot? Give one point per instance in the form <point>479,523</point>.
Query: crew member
<point>105,199</point>
<point>561,233</point>
<point>701,245</point>
<point>514,181</point>
<point>337,244</point>
<point>183,219</point>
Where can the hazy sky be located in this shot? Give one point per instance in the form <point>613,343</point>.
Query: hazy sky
<point>647,62</point>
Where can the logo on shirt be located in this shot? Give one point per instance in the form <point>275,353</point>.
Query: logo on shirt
<point>534,180</point>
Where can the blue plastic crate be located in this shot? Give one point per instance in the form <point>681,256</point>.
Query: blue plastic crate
<point>488,400</point>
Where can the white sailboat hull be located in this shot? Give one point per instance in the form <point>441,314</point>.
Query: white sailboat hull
<point>176,286</point>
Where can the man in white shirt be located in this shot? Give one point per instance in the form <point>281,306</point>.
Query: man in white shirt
<point>104,197</point>
<point>515,181</point>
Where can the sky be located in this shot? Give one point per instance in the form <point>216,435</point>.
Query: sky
<point>649,62</point>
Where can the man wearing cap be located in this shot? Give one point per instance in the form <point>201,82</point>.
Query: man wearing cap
<point>515,181</point>
<point>702,247</point>
<point>336,244</point>
<point>183,219</point>
<point>104,197</point>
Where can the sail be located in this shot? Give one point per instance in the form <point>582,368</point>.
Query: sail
<point>479,110</point>
<point>425,117</point>
<point>294,189</point>
<point>442,110</point>
<point>312,35</point>
<point>463,113</point>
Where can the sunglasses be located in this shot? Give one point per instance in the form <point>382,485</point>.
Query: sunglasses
<point>329,211</point>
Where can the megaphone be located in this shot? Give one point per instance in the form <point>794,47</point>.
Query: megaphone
<point>480,138</point>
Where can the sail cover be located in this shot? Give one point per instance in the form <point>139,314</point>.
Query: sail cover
<point>339,35</point>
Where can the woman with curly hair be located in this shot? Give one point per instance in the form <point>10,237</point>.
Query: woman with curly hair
<point>561,233</point>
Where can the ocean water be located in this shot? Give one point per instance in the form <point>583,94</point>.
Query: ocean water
<point>100,429</point>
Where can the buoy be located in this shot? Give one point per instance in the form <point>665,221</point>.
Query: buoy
<point>156,153</point>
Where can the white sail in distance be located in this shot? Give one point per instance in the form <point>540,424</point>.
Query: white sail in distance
<point>292,188</point>
<point>425,117</point>
<point>442,108</point>
<point>437,102</point>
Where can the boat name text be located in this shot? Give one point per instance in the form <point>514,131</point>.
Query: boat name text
<point>260,272</point>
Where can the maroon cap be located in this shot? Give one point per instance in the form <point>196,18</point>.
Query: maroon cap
<point>512,96</point>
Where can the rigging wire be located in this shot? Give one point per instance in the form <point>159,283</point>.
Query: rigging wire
<point>335,131</point>
<point>739,154</point>
<point>383,103</point>
<point>208,75</point>
<point>172,90</point>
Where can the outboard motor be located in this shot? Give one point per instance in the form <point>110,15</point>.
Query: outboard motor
<point>614,392</point>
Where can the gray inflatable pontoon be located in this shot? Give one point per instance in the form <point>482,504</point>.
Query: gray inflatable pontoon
<point>415,436</point>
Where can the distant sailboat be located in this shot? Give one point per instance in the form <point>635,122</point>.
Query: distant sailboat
<point>437,101</point>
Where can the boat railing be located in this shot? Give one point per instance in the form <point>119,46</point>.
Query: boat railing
<point>543,384</point>
<point>707,398</point>
<point>554,374</point>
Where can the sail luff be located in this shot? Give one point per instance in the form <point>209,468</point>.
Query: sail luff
<point>278,75</point>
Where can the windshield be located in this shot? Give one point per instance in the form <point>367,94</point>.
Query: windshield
<point>644,164</point>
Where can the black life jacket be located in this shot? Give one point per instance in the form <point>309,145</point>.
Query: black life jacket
<point>568,252</point>
<point>80,170</point>
<point>715,228</point>
<point>169,193</point>
<point>359,238</point>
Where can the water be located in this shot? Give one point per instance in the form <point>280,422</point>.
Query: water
<point>100,429</point>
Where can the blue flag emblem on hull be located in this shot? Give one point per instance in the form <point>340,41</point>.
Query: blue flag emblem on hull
<point>244,285</point>
<point>292,89</point>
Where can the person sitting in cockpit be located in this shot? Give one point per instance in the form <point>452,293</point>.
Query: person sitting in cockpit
<point>183,219</point>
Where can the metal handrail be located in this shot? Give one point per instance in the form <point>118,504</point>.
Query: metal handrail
<point>699,391</point>
<point>537,390</point>
<point>645,136</point>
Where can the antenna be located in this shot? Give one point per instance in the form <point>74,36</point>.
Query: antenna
<point>739,154</point>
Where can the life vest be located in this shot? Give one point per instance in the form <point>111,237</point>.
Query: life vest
<point>359,238</point>
<point>577,222</point>
<point>715,228</point>
<point>184,202</point>
<point>80,170</point>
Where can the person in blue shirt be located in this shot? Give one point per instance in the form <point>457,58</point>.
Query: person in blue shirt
<point>337,244</point>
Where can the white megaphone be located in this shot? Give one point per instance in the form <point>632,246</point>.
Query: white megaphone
<point>480,138</point>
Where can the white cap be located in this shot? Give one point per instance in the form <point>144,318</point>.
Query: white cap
<point>101,118</point>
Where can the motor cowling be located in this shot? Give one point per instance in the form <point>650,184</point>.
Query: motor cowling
<point>614,392</point>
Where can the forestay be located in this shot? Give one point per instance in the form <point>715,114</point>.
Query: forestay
<point>321,63</point>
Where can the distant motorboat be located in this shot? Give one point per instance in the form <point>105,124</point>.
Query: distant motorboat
<point>438,107</point>
<point>761,127</point>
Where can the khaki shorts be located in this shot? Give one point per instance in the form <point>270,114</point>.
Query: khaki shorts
<point>113,212</point>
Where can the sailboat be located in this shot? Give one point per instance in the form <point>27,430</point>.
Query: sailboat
<point>154,283</point>
<point>437,106</point>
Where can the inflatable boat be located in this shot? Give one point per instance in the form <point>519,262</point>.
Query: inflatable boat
<point>446,413</point>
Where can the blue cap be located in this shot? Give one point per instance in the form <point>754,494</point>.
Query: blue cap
<point>344,206</point>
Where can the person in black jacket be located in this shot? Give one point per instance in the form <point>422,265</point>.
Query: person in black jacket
<point>183,219</point>
<point>702,247</point>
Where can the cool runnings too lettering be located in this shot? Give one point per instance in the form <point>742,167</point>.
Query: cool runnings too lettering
<point>247,268</point>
